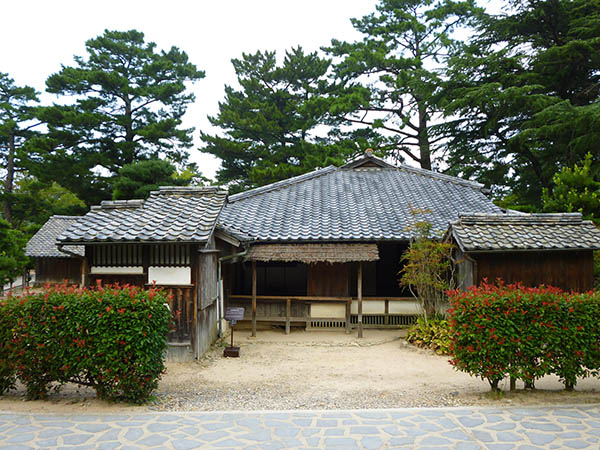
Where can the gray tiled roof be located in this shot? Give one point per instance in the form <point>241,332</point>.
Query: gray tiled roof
<point>355,202</point>
<point>183,214</point>
<point>43,243</point>
<point>522,232</point>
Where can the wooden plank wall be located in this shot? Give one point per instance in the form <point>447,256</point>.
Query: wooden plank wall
<point>329,280</point>
<point>568,270</point>
<point>57,270</point>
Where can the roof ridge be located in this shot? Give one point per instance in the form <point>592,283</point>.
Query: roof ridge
<point>118,204</point>
<point>166,190</point>
<point>441,176</point>
<point>534,218</point>
<point>283,183</point>
<point>61,216</point>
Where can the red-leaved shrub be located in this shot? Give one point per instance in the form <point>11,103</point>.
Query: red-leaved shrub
<point>110,338</point>
<point>525,333</point>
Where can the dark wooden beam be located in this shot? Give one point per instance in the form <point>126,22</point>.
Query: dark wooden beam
<point>253,298</point>
<point>359,292</point>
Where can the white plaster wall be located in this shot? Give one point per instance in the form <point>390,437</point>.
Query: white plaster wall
<point>170,275</point>
<point>406,307</point>
<point>328,310</point>
<point>110,270</point>
<point>378,307</point>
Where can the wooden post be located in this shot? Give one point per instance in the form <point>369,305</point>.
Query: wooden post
<point>513,384</point>
<point>387,312</point>
<point>253,298</point>
<point>359,291</point>
<point>288,313</point>
<point>348,313</point>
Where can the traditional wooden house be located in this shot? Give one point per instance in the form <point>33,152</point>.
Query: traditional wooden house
<point>324,249</point>
<point>167,240</point>
<point>50,264</point>
<point>534,249</point>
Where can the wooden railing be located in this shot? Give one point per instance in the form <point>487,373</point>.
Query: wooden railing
<point>310,299</point>
<point>181,302</point>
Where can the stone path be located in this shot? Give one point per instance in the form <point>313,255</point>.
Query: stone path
<point>449,428</point>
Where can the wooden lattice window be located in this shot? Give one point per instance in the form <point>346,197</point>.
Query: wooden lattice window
<point>117,255</point>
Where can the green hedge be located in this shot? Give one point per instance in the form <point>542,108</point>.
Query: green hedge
<point>112,339</point>
<point>525,333</point>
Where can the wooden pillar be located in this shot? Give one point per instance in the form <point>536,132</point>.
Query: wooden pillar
<point>359,292</point>
<point>253,298</point>
<point>288,314</point>
<point>387,312</point>
<point>348,313</point>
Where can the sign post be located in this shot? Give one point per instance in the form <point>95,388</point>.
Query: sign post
<point>233,315</point>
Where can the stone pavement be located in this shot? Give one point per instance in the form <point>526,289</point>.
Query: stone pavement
<point>439,428</point>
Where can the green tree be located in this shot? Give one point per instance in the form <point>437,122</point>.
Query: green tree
<point>428,269</point>
<point>125,103</point>
<point>137,180</point>
<point>35,201</point>
<point>575,189</point>
<point>16,127</point>
<point>524,97</point>
<point>390,80</point>
<point>12,253</point>
<point>270,125</point>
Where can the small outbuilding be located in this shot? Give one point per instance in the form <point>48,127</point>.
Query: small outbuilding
<point>50,264</point>
<point>534,249</point>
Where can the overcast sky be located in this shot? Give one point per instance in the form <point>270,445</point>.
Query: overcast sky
<point>37,36</point>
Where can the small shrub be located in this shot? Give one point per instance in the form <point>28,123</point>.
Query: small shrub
<point>433,334</point>
<point>111,339</point>
<point>525,333</point>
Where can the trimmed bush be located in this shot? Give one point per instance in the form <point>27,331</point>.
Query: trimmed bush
<point>525,333</point>
<point>433,334</point>
<point>112,339</point>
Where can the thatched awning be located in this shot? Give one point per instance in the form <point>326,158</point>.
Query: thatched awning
<point>313,253</point>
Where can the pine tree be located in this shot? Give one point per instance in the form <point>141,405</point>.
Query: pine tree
<point>271,125</point>
<point>124,103</point>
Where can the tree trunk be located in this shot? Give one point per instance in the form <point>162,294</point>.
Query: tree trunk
<point>10,175</point>
<point>423,138</point>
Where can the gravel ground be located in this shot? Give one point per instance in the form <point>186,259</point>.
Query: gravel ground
<point>315,370</point>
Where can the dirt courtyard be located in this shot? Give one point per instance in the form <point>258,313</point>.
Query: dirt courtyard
<point>316,370</point>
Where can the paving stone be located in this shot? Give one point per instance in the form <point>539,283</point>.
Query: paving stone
<point>457,435</point>
<point>54,433</point>
<point>261,435</point>
<point>429,427</point>
<point>504,426</point>
<point>540,438</point>
<point>483,436</point>
<point>210,437</point>
<point>334,432</point>
<point>92,427</point>
<point>434,440</point>
<point>51,443</point>
<point>153,440</point>
<point>76,439</point>
<point>468,446</point>
<point>507,436</point>
<point>363,430</point>
<point>500,446</point>
<point>327,423</point>
<point>344,443</point>
<point>371,443</point>
<point>577,443</point>
<point>309,431</point>
<point>470,422</point>
<point>302,422</point>
<point>541,426</point>
<point>110,435</point>
<point>108,445</point>
<point>160,427</point>
<point>134,434</point>
<point>571,435</point>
